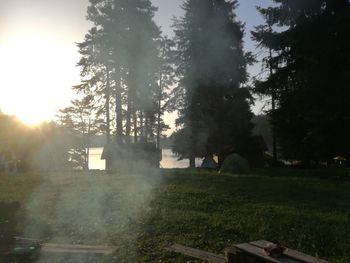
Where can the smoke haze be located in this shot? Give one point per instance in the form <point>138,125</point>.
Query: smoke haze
<point>91,210</point>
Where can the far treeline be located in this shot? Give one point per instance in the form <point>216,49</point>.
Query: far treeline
<point>131,74</point>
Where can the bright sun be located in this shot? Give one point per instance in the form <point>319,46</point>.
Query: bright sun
<point>37,73</point>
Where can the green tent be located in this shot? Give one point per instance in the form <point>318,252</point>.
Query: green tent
<point>235,164</point>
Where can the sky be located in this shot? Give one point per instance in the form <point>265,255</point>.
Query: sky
<point>38,53</point>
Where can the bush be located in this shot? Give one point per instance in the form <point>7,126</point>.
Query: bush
<point>235,164</point>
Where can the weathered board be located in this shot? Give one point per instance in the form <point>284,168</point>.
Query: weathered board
<point>247,253</point>
<point>196,253</point>
<point>293,254</point>
<point>253,252</point>
<point>64,248</point>
<point>83,249</point>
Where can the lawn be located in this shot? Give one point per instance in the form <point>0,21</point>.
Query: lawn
<point>142,214</point>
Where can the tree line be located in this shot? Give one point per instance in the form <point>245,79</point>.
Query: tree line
<point>135,74</point>
<point>131,74</point>
<point>308,64</point>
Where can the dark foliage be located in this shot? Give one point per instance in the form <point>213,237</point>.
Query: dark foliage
<point>311,74</point>
<point>211,66</point>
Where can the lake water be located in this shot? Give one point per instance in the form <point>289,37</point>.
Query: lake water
<point>169,160</point>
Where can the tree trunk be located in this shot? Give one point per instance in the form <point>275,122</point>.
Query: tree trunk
<point>274,138</point>
<point>273,93</point>
<point>146,129</point>
<point>108,116</point>
<point>142,132</point>
<point>86,155</point>
<point>128,118</point>
<point>87,158</point>
<point>135,125</point>
<point>192,153</point>
<point>119,112</point>
<point>273,100</point>
<point>159,110</point>
<point>192,160</point>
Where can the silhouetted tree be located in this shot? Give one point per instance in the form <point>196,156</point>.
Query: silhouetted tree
<point>124,41</point>
<point>96,70</point>
<point>166,80</point>
<point>311,64</point>
<point>83,119</point>
<point>262,127</point>
<point>268,66</point>
<point>211,65</point>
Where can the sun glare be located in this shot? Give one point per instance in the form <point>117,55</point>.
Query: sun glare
<point>37,73</point>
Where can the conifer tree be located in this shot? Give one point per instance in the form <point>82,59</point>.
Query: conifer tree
<point>311,65</point>
<point>166,80</point>
<point>211,66</point>
<point>83,120</point>
<point>96,73</point>
<point>120,56</point>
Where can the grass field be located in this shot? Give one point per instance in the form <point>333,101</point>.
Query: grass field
<point>142,214</point>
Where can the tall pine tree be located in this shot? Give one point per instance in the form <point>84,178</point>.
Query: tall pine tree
<point>121,52</point>
<point>211,66</point>
<point>311,66</point>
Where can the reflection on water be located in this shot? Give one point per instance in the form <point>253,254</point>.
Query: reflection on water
<point>169,160</point>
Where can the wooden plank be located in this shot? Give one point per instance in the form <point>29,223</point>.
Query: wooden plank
<point>262,244</point>
<point>66,248</point>
<point>257,252</point>
<point>293,254</point>
<point>78,246</point>
<point>236,255</point>
<point>27,240</point>
<point>74,251</point>
<point>284,259</point>
<point>303,257</point>
<point>196,253</point>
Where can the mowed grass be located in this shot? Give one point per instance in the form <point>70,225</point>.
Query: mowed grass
<point>143,214</point>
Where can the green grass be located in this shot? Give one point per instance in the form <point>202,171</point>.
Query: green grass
<point>305,210</point>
